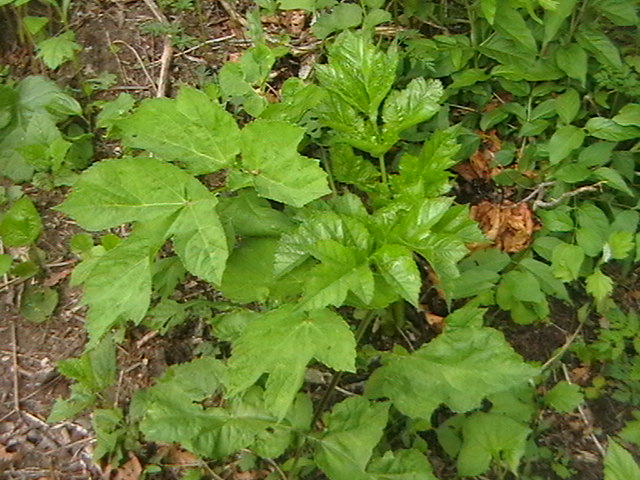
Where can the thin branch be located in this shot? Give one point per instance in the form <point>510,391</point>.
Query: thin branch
<point>167,50</point>
<point>14,358</point>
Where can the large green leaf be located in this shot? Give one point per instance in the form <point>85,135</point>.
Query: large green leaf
<point>359,72</point>
<point>600,46</point>
<point>564,141</point>
<point>281,343</point>
<point>459,368</point>
<point>276,169</point>
<point>553,19</point>
<point>488,436</point>
<point>199,238</point>
<point>251,215</point>
<point>607,129</point>
<point>354,428</point>
<point>509,22</point>
<point>113,192</point>
<point>193,130</point>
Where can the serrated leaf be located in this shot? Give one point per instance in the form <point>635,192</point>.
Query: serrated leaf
<point>192,130</point>
<point>21,224</point>
<point>619,463</point>
<point>281,343</point>
<point>564,141</point>
<point>279,172</point>
<point>488,436</point>
<point>401,465</point>
<point>297,246</point>
<point>399,269</point>
<point>57,50</point>
<point>426,175</point>
<point>113,192</point>
<point>342,17</point>
<point>418,102</point>
<point>458,368</point>
<point>620,244</point>
<point>354,427</point>
<point>564,397</point>
<point>95,369</point>
<point>199,237</point>
<point>599,285</point>
<point>342,270</point>
<point>358,72</point>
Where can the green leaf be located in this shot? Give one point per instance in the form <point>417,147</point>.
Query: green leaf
<point>276,169</point>
<point>249,271</point>
<point>95,369</point>
<point>199,238</point>
<point>613,179</point>
<point>458,368</point>
<point>554,19</point>
<point>488,436</point>
<point>113,192</point>
<point>564,397</point>
<point>573,61</point>
<point>252,215</point>
<point>620,12</point>
<point>568,105</point>
<point>599,285</point>
<point>426,175</point>
<point>358,72</point>
<point>114,110</point>
<point>193,130</point>
<point>347,167</point>
<point>509,22</point>
<point>418,102</point>
<point>607,129</point>
<point>354,428</point>
<point>343,270</point>
<point>57,50</point>
<point>602,48</point>
<point>619,463</point>
<point>21,224</point>
<point>117,285</point>
<point>342,17</point>
<point>566,261</point>
<point>629,115</point>
<point>620,244</point>
<point>38,303</point>
<point>399,269</point>
<point>564,141</point>
<point>401,465</point>
<point>281,343</point>
<point>5,263</point>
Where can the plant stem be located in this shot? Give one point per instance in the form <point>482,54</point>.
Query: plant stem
<point>383,172</point>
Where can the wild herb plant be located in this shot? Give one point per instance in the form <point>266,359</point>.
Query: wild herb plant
<point>313,251</point>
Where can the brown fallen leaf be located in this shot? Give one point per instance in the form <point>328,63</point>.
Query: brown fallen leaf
<point>130,470</point>
<point>480,164</point>
<point>510,226</point>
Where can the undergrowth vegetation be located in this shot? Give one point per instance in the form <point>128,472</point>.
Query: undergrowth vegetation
<point>370,237</point>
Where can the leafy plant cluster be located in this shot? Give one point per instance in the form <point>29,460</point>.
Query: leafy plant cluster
<point>327,220</point>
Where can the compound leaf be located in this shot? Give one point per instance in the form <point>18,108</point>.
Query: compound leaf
<point>358,72</point>
<point>459,368</point>
<point>281,343</point>
<point>399,269</point>
<point>193,130</point>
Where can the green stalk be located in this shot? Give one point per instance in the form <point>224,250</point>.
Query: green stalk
<point>383,172</point>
